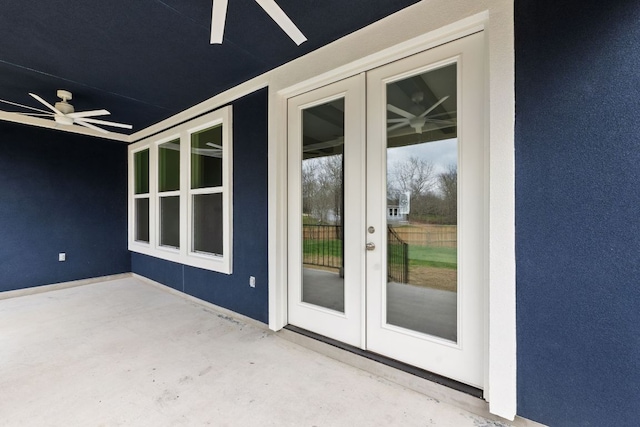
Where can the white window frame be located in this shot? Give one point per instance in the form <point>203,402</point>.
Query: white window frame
<point>160,194</point>
<point>133,197</point>
<point>184,254</point>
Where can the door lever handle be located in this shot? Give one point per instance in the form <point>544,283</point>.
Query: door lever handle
<point>371,246</point>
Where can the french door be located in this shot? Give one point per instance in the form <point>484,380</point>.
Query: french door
<point>386,210</point>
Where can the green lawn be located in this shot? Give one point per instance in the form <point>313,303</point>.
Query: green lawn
<point>326,247</point>
<point>430,256</point>
<point>427,256</point>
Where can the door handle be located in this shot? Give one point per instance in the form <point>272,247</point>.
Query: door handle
<point>371,246</point>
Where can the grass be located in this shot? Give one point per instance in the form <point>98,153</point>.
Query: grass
<point>425,256</point>
<point>429,256</point>
<point>326,247</point>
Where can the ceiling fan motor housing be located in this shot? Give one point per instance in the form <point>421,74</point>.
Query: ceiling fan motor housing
<point>63,106</point>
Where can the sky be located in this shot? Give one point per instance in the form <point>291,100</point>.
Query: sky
<point>441,154</point>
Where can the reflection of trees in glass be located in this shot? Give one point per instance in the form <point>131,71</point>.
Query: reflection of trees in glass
<point>433,196</point>
<point>322,189</point>
<point>448,185</point>
<point>413,175</point>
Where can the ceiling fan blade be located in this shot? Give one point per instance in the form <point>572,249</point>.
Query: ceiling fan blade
<point>398,126</point>
<point>103,122</point>
<point>211,144</point>
<point>399,111</point>
<point>24,106</point>
<point>218,18</point>
<point>38,114</point>
<point>281,18</point>
<point>81,114</point>
<point>450,122</point>
<point>397,121</point>
<point>45,103</point>
<point>90,126</point>
<point>430,109</point>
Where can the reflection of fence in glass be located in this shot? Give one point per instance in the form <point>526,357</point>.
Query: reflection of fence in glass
<point>441,236</point>
<point>322,245</point>
<point>409,247</point>
<point>397,258</point>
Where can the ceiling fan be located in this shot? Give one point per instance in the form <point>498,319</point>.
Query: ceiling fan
<point>64,113</point>
<point>219,15</point>
<point>419,118</point>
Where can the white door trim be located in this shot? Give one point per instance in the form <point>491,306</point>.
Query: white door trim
<point>417,28</point>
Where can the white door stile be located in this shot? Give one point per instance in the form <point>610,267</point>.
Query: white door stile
<point>462,360</point>
<point>347,326</point>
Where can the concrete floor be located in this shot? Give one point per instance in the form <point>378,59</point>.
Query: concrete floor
<point>125,352</point>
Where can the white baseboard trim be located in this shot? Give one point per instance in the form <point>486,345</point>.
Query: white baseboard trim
<point>62,285</point>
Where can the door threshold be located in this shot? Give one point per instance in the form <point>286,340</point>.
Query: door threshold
<point>410,369</point>
<point>431,385</point>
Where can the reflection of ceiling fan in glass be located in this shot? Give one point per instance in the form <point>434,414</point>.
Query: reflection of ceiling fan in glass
<point>419,118</point>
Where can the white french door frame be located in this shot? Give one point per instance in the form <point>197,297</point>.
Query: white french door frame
<point>347,327</point>
<point>412,34</point>
<point>365,283</point>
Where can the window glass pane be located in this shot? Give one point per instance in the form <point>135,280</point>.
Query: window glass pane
<point>422,165</point>
<point>207,223</point>
<point>323,205</point>
<point>206,158</point>
<point>169,166</point>
<point>142,220</point>
<point>141,171</point>
<point>170,221</point>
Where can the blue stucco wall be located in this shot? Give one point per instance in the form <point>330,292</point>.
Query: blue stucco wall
<point>249,225</point>
<point>60,192</point>
<point>578,211</point>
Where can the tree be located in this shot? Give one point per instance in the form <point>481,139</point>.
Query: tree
<point>414,175</point>
<point>448,186</point>
<point>322,188</point>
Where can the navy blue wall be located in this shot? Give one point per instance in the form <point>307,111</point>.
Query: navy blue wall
<point>578,211</point>
<point>249,225</point>
<point>60,192</point>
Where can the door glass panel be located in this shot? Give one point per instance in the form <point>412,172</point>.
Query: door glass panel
<point>323,205</point>
<point>422,163</point>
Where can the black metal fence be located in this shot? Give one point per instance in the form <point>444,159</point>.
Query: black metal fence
<point>397,258</point>
<point>322,245</point>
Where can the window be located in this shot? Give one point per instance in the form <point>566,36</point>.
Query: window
<point>184,214</point>
<point>206,190</point>
<point>141,185</point>
<point>169,193</point>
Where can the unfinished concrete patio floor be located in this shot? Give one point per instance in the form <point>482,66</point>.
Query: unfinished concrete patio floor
<point>126,352</point>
